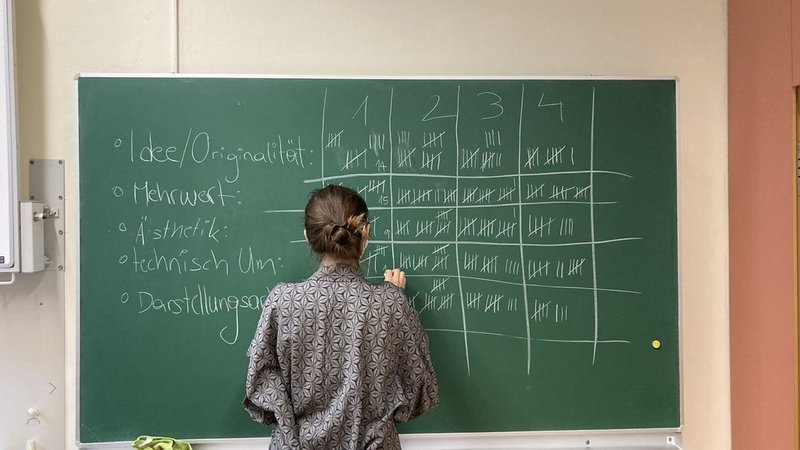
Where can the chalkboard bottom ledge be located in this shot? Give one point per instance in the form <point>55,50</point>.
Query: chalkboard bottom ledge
<point>650,439</point>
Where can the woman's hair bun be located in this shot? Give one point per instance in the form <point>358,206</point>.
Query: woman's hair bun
<point>335,220</point>
<point>340,234</point>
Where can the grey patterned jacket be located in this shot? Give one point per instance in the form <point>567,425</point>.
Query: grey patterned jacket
<point>336,362</point>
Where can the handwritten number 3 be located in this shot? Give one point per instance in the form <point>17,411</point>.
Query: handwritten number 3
<point>496,103</point>
<point>437,99</point>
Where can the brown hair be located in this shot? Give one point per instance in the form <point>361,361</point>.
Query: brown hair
<point>335,222</point>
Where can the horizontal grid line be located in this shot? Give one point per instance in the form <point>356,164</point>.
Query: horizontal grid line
<point>558,341</point>
<point>463,177</point>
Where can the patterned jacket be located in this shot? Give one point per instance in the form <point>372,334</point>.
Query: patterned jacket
<point>336,362</point>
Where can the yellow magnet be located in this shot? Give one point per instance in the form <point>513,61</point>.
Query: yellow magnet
<point>656,344</point>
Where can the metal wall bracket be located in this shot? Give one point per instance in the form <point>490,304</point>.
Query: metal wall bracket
<point>46,184</point>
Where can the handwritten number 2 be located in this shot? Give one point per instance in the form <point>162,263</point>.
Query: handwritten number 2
<point>436,105</point>
<point>496,104</point>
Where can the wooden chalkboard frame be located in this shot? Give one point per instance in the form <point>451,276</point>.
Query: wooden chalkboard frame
<point>638,438</point>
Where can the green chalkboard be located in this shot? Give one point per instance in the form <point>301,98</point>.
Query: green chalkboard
<point>536,220</point>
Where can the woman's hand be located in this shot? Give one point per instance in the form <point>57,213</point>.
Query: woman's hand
<point>395,276</point>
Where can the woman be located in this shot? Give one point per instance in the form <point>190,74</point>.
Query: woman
<point>336,361</point>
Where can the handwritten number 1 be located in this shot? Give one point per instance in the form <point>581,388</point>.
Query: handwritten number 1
<point>363,106</point>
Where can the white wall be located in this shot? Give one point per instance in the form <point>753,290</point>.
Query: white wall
<point>685,38</point>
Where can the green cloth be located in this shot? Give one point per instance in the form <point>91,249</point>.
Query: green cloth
<point>160,443</point>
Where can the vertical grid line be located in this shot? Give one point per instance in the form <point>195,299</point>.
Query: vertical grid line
<point>521,248</point>
<point>391,172</point>
<point>322,139</point>
<point>458,263</point>
<point>591,224</point>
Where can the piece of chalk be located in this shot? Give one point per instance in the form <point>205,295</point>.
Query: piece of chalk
<point>656,344</point>
<point>31,445</point>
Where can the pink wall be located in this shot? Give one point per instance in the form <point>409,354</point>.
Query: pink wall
<point>761,201</point>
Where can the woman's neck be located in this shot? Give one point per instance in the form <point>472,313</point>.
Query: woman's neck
<point>330,261</point>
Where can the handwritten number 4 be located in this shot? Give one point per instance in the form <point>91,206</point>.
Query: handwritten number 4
<point>559,104</point>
